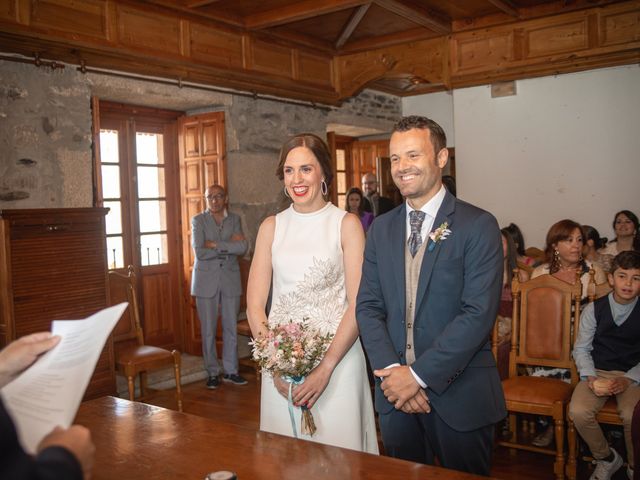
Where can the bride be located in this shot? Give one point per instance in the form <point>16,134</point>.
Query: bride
<point>312,252</point>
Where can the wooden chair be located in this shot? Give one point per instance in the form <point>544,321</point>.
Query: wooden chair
<point>545,310</point>
<point>596,290</point>
<point>245,329</point>
<point>132,356</point>
<point>609,412</point>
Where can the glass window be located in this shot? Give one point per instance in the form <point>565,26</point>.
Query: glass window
<point>149,148</point>
<point>152,215</point>
<point>150,182</point>
<point>153,249</point>
<point>115,253</point>
<point>342,182</point>
<point>110,181</point>
<point>109,146</point>
<point>113,220</point>
<point>341,201</point>
<point>340,159</point>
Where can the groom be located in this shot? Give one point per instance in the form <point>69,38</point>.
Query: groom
<point>428,299</point>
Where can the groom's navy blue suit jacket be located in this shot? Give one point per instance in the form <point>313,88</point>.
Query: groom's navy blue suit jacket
<point>456,306</point>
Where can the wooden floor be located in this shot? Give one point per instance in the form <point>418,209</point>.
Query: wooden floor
<point>240,405</point>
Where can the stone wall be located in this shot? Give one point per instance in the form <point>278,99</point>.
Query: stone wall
<point>45,138</point>
<point>45,134</point>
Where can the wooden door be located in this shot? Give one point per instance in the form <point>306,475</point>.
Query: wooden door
<point>138,181</point>
<point>202,163</point>
<point>340,146</point>
<point>364,156</point>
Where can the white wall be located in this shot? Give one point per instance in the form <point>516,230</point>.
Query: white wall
<point>563,147</point>
<point>436,106</point>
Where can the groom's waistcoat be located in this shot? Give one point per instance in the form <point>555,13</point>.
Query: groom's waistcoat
<point>412,267</point>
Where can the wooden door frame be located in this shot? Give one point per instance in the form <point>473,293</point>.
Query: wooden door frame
<point>164,122</point>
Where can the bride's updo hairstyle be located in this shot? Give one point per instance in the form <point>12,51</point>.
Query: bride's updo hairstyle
<point>313,143</point>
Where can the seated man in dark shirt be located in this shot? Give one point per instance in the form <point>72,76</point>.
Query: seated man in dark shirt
<point>64,453</point>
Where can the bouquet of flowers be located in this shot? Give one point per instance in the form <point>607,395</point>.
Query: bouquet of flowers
<point>291,350</point>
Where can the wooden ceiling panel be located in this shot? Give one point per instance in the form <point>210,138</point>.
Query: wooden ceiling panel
<point>379,21</point>
<point>325,28</point>
<point>242,8</point>
<point>327,50</point>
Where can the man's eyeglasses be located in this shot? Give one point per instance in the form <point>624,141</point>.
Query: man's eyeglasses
<point>217,196</point>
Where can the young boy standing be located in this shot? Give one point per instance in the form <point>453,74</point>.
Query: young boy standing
<point>607,356</point>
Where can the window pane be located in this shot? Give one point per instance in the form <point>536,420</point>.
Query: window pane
<point>113,221</point>
<point>342,182</point>
<point>152,215</point>
<point>115,257</point>
<point>150,182</point>
<point>341,202</point>
<point>340,159</point>
<point>153,249</point>
<point>110,181</point>
<point>149,148</point>
<point>109,146</point>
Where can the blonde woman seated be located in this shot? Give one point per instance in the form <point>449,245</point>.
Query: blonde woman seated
<point>564,260</point>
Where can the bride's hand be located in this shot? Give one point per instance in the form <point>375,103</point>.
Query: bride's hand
<point>281,386</point>
<point>314,384</point>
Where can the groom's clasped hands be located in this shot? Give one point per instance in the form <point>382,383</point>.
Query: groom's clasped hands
<point>401,388</point>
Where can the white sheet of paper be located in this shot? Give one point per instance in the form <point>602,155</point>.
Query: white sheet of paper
<point>49,392</point>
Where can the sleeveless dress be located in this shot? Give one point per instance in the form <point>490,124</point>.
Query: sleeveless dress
<point>308,282</point>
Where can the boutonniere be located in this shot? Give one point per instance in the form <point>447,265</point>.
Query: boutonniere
<point>439,234</point>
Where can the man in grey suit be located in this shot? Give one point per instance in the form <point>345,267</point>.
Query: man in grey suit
<point>428,298</point>
<point>218,241</point>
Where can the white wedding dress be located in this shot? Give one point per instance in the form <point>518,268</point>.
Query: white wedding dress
<point>308,282</point>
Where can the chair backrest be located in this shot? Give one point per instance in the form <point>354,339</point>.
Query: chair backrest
<point>124,288</point>
<point>546,313</point>
<point>596,290</point>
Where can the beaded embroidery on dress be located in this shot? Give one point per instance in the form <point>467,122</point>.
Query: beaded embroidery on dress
<point>314,298</point>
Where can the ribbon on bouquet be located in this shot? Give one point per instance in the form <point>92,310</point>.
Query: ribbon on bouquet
<point>307,425</point>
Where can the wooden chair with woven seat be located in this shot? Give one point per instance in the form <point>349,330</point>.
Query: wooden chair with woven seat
<point>132,356</point>
<point>609,412</point>
<point>545,312</point>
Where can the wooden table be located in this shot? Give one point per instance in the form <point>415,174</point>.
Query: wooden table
<point>142,442</point>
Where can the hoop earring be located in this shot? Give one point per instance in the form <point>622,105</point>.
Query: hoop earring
<point>324,188</point>
<point>286,193</point>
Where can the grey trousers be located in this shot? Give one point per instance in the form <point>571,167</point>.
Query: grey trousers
<point>208,313</point>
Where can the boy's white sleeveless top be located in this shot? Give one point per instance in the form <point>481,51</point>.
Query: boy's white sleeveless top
<point>308,282</point>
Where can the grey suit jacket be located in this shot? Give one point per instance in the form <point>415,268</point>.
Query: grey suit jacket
<point>456,306</point>
<point>216,269</point>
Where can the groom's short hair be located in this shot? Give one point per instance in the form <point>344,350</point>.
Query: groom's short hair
<point>437,135</point>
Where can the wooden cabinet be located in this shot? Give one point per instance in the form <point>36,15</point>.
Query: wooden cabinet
<point>53,266</point>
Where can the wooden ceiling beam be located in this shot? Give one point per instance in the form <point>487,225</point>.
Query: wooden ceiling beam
<point>421,17</point>
<point>351,25</point>
<point>298,11</point>
<point>198,3</point>
<point>507,7</point>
